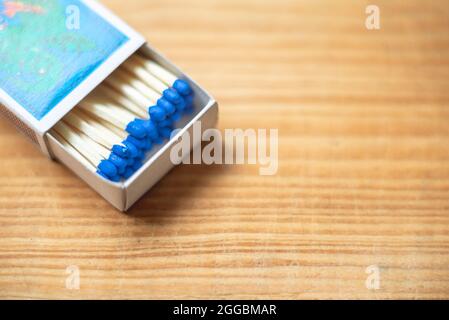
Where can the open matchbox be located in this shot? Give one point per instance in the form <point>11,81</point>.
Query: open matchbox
<point>50,61</point>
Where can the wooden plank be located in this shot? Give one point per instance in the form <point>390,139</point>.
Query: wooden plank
<point>363,165</point>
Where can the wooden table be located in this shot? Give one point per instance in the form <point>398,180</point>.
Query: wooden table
<point>363,180</point>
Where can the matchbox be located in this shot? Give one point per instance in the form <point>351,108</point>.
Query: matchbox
<point>53,72</point>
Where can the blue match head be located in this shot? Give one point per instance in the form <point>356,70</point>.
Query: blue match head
<point>128,173</point>
<point>121,171</point>
<point>119,162</point>
<point>172,95</point>
<point>181,105</point>
<point>139,157</point>
<point>148,145</point>
<point>157,113</point>
<point>137,165</point>
<point>176,116</point>
<point>183,87</point>
<point>166,123</point>
<point>131,162</point>
<point>139,143</point>
<point>108,168</point>
<point>166,105</point>
<point>121,150</point>
<point>166,132</point>
<point>158,140</point>
<point>151,128</point>
<point>133,150</point>
<point>189,100</point>
<point>103,175</point>
<point>136,128</point>
<point>113,179</point>
<point>189,110</point>
<point>143,144</point>
<point>117,178</point>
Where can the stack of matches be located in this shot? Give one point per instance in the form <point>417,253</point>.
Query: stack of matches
<point>113,129</point>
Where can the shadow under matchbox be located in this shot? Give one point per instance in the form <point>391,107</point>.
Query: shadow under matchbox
<point>94,96</point>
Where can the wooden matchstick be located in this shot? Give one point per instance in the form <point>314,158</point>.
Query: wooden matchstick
<point>105,167</point>
<point>123,101</point>
<point>139,72</point>
<point>155,69</point>
<point>74,152</point>
<point>134,67</point>
<point>108,112</point>
<point>139,85</point>
<point>129,91</point>
<point>122,149</point>
<point>122,118</point>
<point>103,137</point>
<point>181,86</point>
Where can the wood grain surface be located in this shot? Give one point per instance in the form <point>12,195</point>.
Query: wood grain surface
<point>363,174</point>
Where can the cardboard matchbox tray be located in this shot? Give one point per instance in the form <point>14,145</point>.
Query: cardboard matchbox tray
<point>121,195</point>
<point>124,194</point>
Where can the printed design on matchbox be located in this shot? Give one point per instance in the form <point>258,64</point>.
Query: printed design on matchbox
<point>43,58</point>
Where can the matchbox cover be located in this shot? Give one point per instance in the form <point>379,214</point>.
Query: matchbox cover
<point>53,53</point>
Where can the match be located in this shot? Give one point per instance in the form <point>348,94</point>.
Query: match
<point>105,137</point>
<point>142,132</point>
<point>160,79</point>
<point>133,67</point>
<point>170,101</point>
<point>117,116</point>
<point>104,167</point>
<point>123,101</point>
<point>139,85</point>
<point>74,152</point>
<point>119,81</point>
<point>119,162</point>
<point>181,86</point>
<point>129,91</point>
<point>100,146</point>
